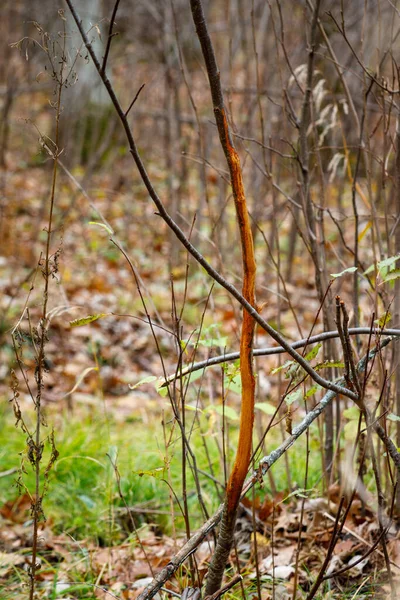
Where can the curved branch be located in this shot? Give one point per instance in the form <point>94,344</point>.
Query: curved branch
<point>231,356</point>
<point>110,36</point>
<point>245,440</point>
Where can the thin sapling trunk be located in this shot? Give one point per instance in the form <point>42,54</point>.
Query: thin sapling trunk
<point>242,460</point>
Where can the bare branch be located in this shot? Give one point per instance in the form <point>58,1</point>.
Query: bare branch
<point>382,85</point>
<point>135,98</point>
<point>110,36</point>
<point>320,337</point>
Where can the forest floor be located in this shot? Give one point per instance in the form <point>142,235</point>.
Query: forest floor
<point>102,541</point>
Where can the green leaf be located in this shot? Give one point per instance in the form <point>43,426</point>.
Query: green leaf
<point>392,276</point>
<point>295,372</point>
<point>228,411</point>
<point>388,262</point>
<point>393,417</point>
<point>349,270</point>
<point>161,389</point>
<point>231,369</point>
<point>210,338</point>
<point>383,320</point>
<point>211,343</point>
<point>313,352</point>
<point>157,473</point>
<point>106,227</point>
<point>284,366</point>
<point>192,377</point>
<point>234,384</point>
<point>369,270</point>
<point>329,364</point>
<point>265,407</point>
<point>88,319</point>
<point>294,396</point>
<point>300,492</point>
<point>148,379</point>
<point>313,389</point>
<point>159,384</point>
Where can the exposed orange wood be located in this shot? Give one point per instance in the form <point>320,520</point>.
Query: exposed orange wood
<point>243,453</point>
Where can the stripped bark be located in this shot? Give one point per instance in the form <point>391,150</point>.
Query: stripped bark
<point>243,453</point>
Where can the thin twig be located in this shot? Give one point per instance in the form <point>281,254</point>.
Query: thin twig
<point>234,581</point>
<point>135,98</point>
<point>382,85</point>
<point>358,561</point>
<point>329,553</point>
<point>110,36</point>
<point>349,350</point>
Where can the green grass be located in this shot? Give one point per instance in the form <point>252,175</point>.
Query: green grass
<point>82,493</point>
<point>82,490</point>
<point>82,499</point>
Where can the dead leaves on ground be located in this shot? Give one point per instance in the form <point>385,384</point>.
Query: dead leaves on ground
<point>272,554</point>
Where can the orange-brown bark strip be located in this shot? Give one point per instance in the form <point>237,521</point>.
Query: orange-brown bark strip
<point>243,453</point>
